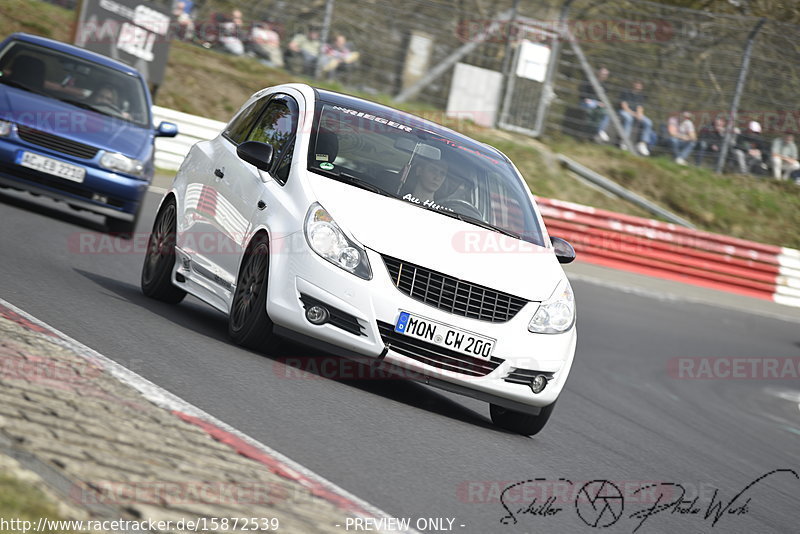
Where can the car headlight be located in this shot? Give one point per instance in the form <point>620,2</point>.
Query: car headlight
<point>326,239</point>
<point>557,314</point>
<point>5,128</point>
<point>117,162</point>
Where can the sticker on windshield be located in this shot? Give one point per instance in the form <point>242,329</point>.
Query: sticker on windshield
<point>321,157</point>
<point>326,166</point>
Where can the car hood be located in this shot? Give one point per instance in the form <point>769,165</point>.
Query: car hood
<point>410,233</point>
<point>81,125</point>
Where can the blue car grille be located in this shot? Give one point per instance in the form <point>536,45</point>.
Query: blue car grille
<point>55,142</point>
<point>452,294</point>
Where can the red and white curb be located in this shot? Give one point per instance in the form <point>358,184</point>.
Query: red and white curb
<point>239,441</point>
<point>672,252</point>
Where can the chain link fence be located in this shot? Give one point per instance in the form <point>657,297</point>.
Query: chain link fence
<point>688,60</point>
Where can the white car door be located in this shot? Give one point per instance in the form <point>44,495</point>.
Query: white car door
<point>210,220</point>
<point>244,190</point>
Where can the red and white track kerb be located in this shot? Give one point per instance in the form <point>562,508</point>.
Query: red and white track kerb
<point>673,252</point>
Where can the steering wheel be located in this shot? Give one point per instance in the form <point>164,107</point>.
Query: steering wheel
<point>110,106</point>
<point>461,206</point>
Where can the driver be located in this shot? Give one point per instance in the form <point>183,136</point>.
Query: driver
<point>429,176</point>
<point>107,95</point>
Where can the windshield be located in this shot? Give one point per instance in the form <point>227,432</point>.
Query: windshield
<point>428,168</point>
<point>76,81</point>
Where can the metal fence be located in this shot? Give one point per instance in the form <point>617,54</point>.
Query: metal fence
<point>688,60</point>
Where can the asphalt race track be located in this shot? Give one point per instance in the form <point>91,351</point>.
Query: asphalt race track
<point>624,417</point>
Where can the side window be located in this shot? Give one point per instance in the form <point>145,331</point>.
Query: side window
<point>282,172</point>
<point>274,127</point>
<point>240,126</point>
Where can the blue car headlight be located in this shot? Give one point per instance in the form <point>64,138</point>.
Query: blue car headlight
<point>115,161</point>
<point>5,128</point>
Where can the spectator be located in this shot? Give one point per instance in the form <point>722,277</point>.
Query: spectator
<point>631,109</point>
<point>595,110</point>
<point>338,57</point>
<point>681,136</point>
<point>266,44</point>
<point>784,156</point>
<point>305,47</point>
<point>710,140</point>
<point>750,150</point>
<point>229,32</point>
<point>184,21</point>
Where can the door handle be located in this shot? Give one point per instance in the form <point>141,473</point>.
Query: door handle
<point>261,205</point>
<point>219,174</point>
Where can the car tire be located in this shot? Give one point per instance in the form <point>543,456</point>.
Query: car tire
<point>121,228</point>
<point>159,259</point>
<point>521,423</point>
<point>248,322</point>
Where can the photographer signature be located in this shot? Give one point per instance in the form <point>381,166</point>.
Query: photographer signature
<point>600,503</point>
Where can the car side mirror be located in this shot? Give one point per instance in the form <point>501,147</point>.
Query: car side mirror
<point>167,129</point>
<point>256,153</point>
<point>565,253</point>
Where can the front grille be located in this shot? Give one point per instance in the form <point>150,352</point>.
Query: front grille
<point>434,355</point>
<point>337,317</point>
<point>54,142</point>
<point>525,376</point>
<point>452,294</point>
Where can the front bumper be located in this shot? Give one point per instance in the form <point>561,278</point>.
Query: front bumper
<point>297,272</point>
<point>101,191</point>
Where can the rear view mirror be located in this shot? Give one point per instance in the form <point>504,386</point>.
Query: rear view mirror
<point>167,129</point>
<point>421,149</point>
<point>565,253</point>
<point>256,153</point>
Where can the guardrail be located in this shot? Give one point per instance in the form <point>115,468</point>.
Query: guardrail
<point>674,252</point>
<point>191,129</point>
<point>606,238</point>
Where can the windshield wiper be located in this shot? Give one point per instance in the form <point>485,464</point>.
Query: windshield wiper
<point>472,220</point>
<point>84,105</point>
<point>484,224</point>
<point>353,180</point>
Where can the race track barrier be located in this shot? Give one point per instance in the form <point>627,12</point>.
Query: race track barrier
<point>605,238</point>
<point>677,253</point>
<point>170,151</point>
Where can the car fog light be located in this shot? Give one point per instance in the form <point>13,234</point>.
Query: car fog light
<point>317,314</point>
<point>538,383</point>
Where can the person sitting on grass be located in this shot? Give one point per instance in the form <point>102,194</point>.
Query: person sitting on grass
<point>750,150</point>
<point>784,156</point>
<point>631,109</point>
<point>681,136</point>
<point>595,110</point>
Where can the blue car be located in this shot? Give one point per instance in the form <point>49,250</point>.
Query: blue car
<point>76,126</point>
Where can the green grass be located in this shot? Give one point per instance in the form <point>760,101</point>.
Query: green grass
<point>756,208</point>
<point>19,500</point>
<point>214,85</point>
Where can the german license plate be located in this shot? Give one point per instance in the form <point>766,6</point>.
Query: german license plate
<point>443,335</point>
<point>52,166</point>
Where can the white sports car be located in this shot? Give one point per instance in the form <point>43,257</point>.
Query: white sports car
<point>378,235</point>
